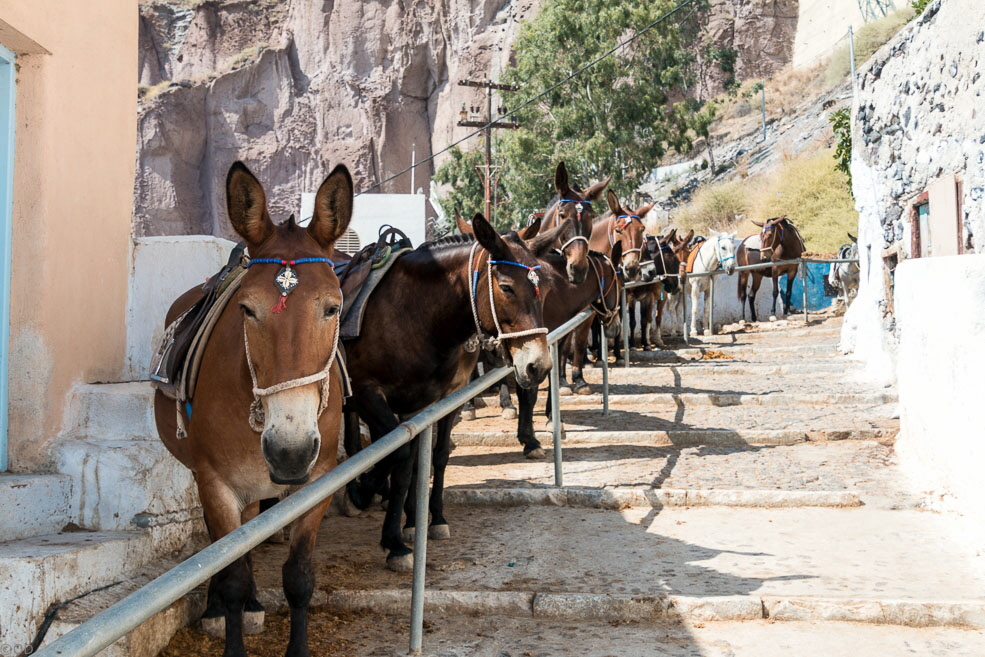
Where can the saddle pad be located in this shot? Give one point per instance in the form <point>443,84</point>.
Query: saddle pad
<point>692,258</point>
<point>355,299</point>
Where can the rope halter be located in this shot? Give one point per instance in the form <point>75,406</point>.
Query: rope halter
<point>616,228</point>
<point>776,242</point>
<point>579,208</point>
<point>286,280</point>
<point>488,342</point>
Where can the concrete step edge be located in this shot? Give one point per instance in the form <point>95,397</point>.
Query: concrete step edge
<point>641,608</point>
<point>722,437</point>
<point>736,399</point>
<point>622,498</point>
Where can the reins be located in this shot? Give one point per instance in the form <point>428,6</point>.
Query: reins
<point>488,342</point>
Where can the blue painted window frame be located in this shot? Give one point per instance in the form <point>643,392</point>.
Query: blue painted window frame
<point>8,84</point>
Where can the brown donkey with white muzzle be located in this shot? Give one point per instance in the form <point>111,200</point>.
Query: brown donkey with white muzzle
<point>267,404</point>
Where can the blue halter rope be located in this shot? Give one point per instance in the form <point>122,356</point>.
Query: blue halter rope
<point>286,263</point>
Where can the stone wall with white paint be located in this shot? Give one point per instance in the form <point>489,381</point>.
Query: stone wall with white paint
<point>940,315</point>
<point>918,125</point>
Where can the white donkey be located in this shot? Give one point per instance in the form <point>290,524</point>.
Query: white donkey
<point>845,275</point>
<point>717,252</point>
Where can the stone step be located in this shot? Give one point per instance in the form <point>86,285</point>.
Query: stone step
<point>125,484</point>
<point>150,637</point>
<point>35,504</point>
<point>744,353</point>
<point>731,399</point>
<point>42,571</point>
<point>111,411</point>
<point>723,437</point>
<point>663,608</point>
<point>806,563</point>
<point>381,629</point>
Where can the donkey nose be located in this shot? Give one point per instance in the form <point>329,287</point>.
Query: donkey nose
<point>577,274</point>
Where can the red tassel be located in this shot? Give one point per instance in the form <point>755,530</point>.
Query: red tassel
<point>537,291</point>
<point>281,305</point>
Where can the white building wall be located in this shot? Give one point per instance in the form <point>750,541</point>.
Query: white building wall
<point>940,313</point>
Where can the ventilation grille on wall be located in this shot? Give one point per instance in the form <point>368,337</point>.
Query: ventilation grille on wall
<point>348,243</point>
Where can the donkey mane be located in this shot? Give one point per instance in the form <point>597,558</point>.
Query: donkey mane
<point>447,240</point>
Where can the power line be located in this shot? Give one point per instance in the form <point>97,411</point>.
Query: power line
<point>570,77</point>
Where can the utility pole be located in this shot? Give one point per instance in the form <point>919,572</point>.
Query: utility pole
<point>488,126</point>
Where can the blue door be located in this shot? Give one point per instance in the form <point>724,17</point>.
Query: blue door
<point>7,85</point>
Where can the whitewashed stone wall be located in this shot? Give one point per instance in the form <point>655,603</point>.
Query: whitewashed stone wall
<point>920,115</point>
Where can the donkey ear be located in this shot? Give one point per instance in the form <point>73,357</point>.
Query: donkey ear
<point>333,207</point>
<point>689,236</point>
<point>594,192</point>
<point>542,244</point>
<point>756,223</point>
<point>246,205</point>
<point>531,230</point>
<point>487,236</point>
<point>561,179</point>
<point>616,253</point>
<point>642,212</point>
<point>613,202</point>
<point>852,238</point>
<point>463,226</point>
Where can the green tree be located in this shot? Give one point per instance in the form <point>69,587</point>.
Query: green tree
<point>620,116</point>
<point>841,123</point>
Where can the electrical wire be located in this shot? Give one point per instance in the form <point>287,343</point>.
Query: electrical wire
<point>570,77</point>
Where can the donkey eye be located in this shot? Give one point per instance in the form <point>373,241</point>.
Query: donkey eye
<point>331,311</point>
<point>247,311</point>
<point>507,289</point>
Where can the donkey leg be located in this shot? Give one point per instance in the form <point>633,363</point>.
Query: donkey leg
<point>400,558</point>
<point>776,293</point>
<point>579,340</point>
<point>506,402</point>
<point>756,281</point>
<point>658,321</point>
<point>232,585</point>
<point>695,294</point>
<point>742,294</point>
<point>787,307</point>
<point>527,399</point>
<point>299,577</point>
<point>438,529</point>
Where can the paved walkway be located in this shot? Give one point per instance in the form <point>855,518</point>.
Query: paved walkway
<point>726,506</point>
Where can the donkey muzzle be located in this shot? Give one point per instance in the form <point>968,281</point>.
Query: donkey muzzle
<point>531,361</point>
<point>291,441</point>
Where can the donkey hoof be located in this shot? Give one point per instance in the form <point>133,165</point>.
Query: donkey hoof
<point>215,627</point>
<point>408,534</point>
<point>468,416</point>
<point>439,532</point>
<point>401,564</point>
<point>536,454</point>
<point>583,389</point>
<point>349,509</point>
<point>509,413</point>
<point>253,622</point>
<point>564,391</point>
<point>772,318</point>
<point>708,332</point>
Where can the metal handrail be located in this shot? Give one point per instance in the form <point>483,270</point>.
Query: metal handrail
<point>800,262</point>
<point>116,621</point>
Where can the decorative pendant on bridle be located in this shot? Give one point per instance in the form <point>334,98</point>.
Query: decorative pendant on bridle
<point>286,279</point>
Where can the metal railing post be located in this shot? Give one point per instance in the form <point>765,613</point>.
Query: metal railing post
<point>803,273</point>
<point>556,415</point>
<point>711,305</point>
<point>684,293</point>
<point>605,372</point>
<point>420,539</point>
<point>625,328</point>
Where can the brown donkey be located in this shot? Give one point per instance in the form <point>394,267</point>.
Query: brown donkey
<point>578,207</point>
<point>779,240</point>
<point>622,225</point>
<point>268,403</point>
<point>422,330</point>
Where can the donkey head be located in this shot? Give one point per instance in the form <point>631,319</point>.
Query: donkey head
<point>627,228</point>
<point>724,250</point>
<point>771,235</point>
<point>578,206</point>
<point>290,301</point>
<point>512,302</point>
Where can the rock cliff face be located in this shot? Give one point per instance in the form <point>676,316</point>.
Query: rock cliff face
<point>295,87</point>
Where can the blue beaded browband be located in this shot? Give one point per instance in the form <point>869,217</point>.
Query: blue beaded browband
<point>286,279</point>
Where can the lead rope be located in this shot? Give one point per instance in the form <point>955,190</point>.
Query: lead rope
<point>607,313</point>
<point>488,342</point>
<point>257,417</point>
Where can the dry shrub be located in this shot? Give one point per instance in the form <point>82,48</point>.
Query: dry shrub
<point>714,207</point>
<point>869,38</point>
<point>807,189</point>
<point>815,196</point>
